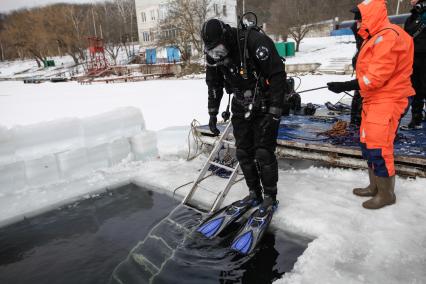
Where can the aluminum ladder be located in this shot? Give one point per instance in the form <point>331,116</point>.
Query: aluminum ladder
<point>148,259</point>
<point>230,181</point>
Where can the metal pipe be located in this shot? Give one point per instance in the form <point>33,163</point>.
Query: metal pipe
<point>310,90</point>
<point>349,94</point>
<point>397,7</point>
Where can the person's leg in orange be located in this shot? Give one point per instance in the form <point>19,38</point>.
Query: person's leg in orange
<point>371,189</point>
<point>378,131</point>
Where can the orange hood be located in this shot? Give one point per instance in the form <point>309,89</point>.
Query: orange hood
<point>374,17</point>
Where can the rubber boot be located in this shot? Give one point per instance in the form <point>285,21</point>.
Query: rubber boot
<point>385,195</point>
<point>270,191</point>
<point>268,205</point>
<point>270,198</point>
<point>415,123</point>
<point>371,189</point>
<point>254,197</point>
<point>269,201</point>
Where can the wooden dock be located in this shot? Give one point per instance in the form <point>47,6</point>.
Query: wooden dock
<point>334,155</point>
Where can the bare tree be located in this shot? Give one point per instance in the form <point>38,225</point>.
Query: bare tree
<point>392,7</point>
<point>295,18</point>
<point>63,29</point>
<point>127,12</point>
<point>107,18</point>
<point>182,25</point>
<point>24,30</point>
<point>2,19</point>
<point>75,41</point>
<point>277,24</point>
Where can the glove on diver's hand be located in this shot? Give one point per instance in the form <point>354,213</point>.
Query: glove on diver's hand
<point>269,121</point>
<point>338,87</point>
<point>213,125</point>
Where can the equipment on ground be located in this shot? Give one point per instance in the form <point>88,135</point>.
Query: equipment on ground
<point>293,102</point>
<point>338,107</point>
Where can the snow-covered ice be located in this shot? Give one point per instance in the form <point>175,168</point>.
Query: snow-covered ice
<point>164,103</point>
<point>322,50</point>
<point>350,244</point>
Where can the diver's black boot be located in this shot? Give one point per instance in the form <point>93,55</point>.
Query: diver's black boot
<point>270,202</point>
<point>268,205</point>
<point>415,123</point>
<point>254,198</point>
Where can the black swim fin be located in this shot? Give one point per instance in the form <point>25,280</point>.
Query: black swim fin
<point>221,219</point>
<point>251,234</point>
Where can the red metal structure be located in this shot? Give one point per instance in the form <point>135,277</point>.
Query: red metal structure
<point>96,62</point>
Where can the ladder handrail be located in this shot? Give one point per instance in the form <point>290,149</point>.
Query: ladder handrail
<point>221,195</point>
<point>224,193</point>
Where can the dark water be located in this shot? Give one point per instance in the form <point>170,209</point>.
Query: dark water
<point>90,241</point>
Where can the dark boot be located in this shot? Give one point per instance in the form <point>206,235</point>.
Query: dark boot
<point>415,123</point>
<point>385,195</point>
<point>254,197</point>
<point>268,205</point>
<point>371,189</point>
<point>270,191</point>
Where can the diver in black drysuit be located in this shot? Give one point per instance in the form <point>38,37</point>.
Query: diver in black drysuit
<point>415,25</point>
<point>254,73</point>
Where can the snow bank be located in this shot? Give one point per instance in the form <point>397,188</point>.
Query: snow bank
<point>48,152</point>
<point>28,68</point>
<point>85,172</point>
<point>350,244</point>
<point>323,49</point>
<point>164,103</point>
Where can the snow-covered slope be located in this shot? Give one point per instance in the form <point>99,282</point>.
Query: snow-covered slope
<point>323,49</point>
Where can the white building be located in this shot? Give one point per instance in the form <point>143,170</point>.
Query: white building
<point>150,13</point>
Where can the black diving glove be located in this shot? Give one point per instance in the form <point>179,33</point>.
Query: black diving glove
<point>338,87</point>
<point>213,125</point>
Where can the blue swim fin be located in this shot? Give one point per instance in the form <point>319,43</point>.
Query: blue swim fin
<point>220,220</point>
<point>243,243</point>
<point>211,227</point>
<point>251,233</point>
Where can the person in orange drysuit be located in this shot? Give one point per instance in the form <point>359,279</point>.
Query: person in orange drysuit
<point>384,67</point>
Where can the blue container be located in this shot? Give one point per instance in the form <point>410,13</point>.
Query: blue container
<point>173,54</point>
<point>151,56</point>
<point>341,32</point>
